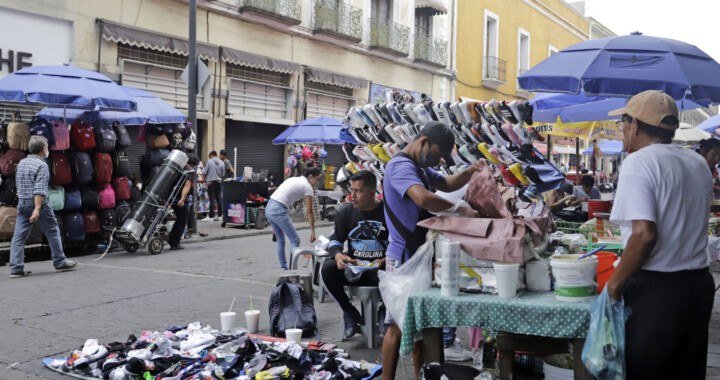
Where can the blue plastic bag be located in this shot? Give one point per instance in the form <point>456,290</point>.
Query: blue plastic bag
<point>604,351</point>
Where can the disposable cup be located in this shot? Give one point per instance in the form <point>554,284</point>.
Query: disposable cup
<point>227,320</point>
<point>252,317</point>
<point>507,277</point>
<point>293,335</point>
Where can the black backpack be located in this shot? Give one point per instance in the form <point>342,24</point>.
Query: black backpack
<point>108,218</point>
<point>123,137</point>
<point>8,192</point>
<point>122,210</point>
<point>290,307</point>
<point>81,167</point>
<point>41,127</point>
<point>121,163</point>
<point>105,138</point>
<point>90,198</point>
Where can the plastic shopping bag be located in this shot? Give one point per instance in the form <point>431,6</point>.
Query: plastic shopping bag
<point>413,276</point>
<point>604,351</point>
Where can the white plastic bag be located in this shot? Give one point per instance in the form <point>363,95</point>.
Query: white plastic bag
<point>412,277</point>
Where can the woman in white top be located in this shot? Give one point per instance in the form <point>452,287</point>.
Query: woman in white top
<point>276,212</point>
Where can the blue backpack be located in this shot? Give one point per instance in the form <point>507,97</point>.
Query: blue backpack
<point>41,127</point>
<point>74,225</point>
<point>73,199</point>
<point>290,307</point>
<point>82,168</point>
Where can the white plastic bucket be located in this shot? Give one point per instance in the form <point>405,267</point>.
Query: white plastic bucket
<point>575,280</point>
<point>552,372</point>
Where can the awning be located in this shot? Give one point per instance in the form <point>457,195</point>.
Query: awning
<point>244,58</point>
<point>435,6</point>
<point>327,77</point>
<point>148,39</point>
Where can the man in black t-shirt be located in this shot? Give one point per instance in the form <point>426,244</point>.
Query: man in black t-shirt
<point>362,225</point>
<point>180,206</point>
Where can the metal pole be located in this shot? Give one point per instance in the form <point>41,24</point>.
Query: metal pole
<point>192,68</point>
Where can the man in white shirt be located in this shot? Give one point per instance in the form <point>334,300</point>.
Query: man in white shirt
<point>662,207</point>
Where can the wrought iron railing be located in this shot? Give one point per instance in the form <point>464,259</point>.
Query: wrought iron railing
<point>389,35</point>
<point>494,68</point>
<point>337,17</point>
<point>285,8</point>
<point>430,49</point>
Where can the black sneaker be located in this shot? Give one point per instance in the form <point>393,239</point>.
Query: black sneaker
<point>351,318</point>
<point>176,247</point>
<point>69,265</point>
<point>21,274</point>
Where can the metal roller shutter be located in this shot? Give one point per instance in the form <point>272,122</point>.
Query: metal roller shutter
<point>136,150</point>
<point>335,157</point>
<point>327,105</point>
<point>254,146</point>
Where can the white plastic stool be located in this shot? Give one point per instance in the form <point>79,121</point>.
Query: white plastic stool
<point>299,252</point>
<point>369,305</point>
<point>303,279</point>
<point>318,262</point>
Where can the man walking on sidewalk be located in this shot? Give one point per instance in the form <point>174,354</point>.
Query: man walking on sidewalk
<point>214,172</point>
<point>32,177</point>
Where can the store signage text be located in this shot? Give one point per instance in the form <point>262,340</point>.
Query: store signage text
<point>14,60</point>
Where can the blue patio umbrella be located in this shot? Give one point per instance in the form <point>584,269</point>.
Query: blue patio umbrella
<point>321,129</point>
<point>150,109</point>
<point>571,108</point>
<point>711,124</point>
<point>64,86</point>
<point>625,66</point>
<point>608,148</point>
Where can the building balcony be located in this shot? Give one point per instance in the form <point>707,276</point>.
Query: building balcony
<point>389,37</point>
<point>284,11</point>
<point>338,20</point>
<point>430,50</point>
<point>494,71</point>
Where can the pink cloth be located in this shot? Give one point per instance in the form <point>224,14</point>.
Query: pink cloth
<point>483,194</point>
<point>476,337</point>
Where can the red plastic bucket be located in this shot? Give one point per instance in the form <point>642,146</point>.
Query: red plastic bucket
<point>605,268</point>
<point>598,206</point>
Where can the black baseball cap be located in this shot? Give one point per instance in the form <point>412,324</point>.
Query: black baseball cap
<point>440,135</point>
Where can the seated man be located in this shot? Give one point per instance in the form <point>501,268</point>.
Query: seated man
<point>362,225</point>
<point>585,191</point>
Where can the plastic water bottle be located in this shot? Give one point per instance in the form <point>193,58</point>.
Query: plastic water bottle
<point>450,270</point>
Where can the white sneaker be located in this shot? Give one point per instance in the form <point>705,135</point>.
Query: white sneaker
<point>206,219</point>
<point>217,219</point>
<point>456,353</point>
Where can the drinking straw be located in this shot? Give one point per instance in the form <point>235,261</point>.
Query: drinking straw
<point>231,304</point>
<point>251,308</point>
<point>296,319</point>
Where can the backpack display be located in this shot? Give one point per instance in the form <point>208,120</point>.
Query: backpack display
<point>60,172</point>
<point>8,192</point>
<point>154,129</point>
<point>9,162</point>
<point>108,218</point>
<point>190,141</point>
<point>107,197</point>
<point>105,138</point>
<point>8,216</point>
<point>81,168</point>
<point>41,127</point>
<point>158,141</point>
<point>121,163</point>
<point>123,137</point>
<point>90,198</point>
<point>56,198</point>
<point>181,129</point>
<point>289,307</point>
<point>82,136</point>
<point>73,199</point>
<point>61,227</point>
<point>122,188</point>
<point>61,133</point>
<point>168,129</point>
<point>74,226</point>
<point>103,168</point>
<point>122,210</point>
<point>92,223</point>
<point>18,134</point>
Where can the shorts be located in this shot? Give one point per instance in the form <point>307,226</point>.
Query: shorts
<point>390,266</point>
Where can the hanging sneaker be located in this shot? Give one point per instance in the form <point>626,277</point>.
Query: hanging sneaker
<point>352,319</point>
<point>456,353</point>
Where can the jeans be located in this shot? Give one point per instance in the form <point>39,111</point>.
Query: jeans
<point>277,214</point>
<point>181,214</point>
<point>334,281</point>
<point>48,225</point>
<point>449,336</point>
<point>214,195</point>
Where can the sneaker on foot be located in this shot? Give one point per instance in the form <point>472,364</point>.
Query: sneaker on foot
<point>456,353</point>
<point>21,274</point>
<point>206,219</point>
<point>351,318</point>
<point>69,265</point>
<point>176,247</point>
<point>217,219</point>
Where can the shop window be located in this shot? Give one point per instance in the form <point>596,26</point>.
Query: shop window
<point>523,51</point>
<point>381,9</point>
<point>258,75</point>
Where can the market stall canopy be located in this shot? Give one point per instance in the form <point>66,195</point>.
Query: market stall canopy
<point>628,65</point>
<point>587,130</point>
<point>64,86</point>
<point>689,134</point>
<point>711,124</point>
<point>150,109</point>
<point>608,148</point>
<point>323,129</point>
<point>572,108</point>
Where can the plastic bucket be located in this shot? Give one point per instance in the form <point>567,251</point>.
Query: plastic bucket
<point>598,206</point>
<point>575,280</point>
<point>605,268</point>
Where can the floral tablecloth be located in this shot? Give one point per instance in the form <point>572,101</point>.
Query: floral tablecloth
<point>531,313</point>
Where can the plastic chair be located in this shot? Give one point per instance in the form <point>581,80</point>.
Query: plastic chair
<point>369,305</point>
<point>304,279</point>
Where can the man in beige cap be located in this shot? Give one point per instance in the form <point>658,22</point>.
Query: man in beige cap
<point>662,207</point>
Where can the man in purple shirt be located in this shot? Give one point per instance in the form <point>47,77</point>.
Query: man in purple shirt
<point>408,193</point>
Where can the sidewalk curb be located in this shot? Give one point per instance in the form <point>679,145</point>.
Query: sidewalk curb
<point>265,231</point>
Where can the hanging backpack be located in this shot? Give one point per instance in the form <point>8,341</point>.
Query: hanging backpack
<point>190,141</point>
<point>123,137</point>
<point>41,127</point>
<point>121,163</point>
<point>158,141</point>
<point>181,129</point>
<point>105,138</point>
<point>92,223</point>
<point>8,217</point>
<point>107,197</point>
<point>8,192</point>
<point>18,133</point>
<point>108,218</point>
<point>82,136</point>
<point>122,211</point>
<point>289,307</point>
<point>90,198</point>
<point>122,188</point>
<point>61,133</point>
<point>154,129</point>
<point>73,199</point>
<point>74,225</point>
<point>103,168</point>
<point>56,197</point>
<point>81,168</point>
<point>60,172</point>
<point>9,162</point>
